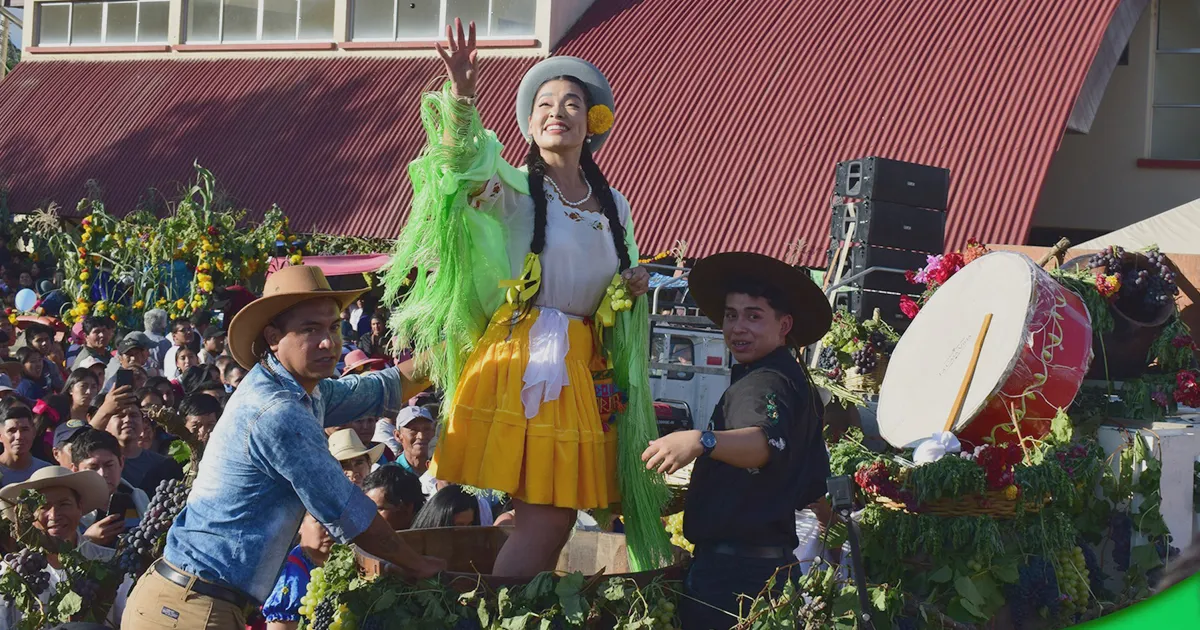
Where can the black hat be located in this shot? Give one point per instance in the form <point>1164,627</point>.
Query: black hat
<point>713,277</point>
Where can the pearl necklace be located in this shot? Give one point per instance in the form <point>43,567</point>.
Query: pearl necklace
<point>563,199</point>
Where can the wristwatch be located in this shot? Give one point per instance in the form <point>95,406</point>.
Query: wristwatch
<point>708,440</point>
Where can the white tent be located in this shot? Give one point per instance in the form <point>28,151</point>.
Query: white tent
<point>1176,231</point>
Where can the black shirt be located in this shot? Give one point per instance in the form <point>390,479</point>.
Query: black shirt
<point>149,469</point>
<point>727,504</point>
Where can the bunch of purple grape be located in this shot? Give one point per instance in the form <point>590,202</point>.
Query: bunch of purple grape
<point>139,544</point>
<point>828,361</point>
<point>1144,288</point>
<point>30,566</point>
<point>865,358</point>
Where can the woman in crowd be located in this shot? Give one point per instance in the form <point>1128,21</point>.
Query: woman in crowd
<point>35,383</point>
<point>82,387</point>
<point>185,358</point>
<point>48,413</point>
<point>282,607</point>
<point>450,507</point>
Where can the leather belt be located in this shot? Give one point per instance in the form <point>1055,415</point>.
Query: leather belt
<point>207,589</point>
<point>750,551</point>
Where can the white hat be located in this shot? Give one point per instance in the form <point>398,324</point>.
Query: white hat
<point>89,485</point>
<point>89,361</point>
<point>408,414</point>
<point>345,444</point>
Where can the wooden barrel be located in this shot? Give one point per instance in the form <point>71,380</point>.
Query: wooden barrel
<point>470,553</point>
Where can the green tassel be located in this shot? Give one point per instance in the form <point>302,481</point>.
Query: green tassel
<point>644,493</point>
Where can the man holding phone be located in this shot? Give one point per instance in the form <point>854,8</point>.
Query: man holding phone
<point>132,352</point>
<point>100,452</point>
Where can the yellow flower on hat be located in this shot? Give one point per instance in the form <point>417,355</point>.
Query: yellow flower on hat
<point>600,119</point>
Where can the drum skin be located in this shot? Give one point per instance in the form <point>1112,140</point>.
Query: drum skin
<point>1032,363</point>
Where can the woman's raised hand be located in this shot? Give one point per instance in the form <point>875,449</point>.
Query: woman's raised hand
<point>459,56</point>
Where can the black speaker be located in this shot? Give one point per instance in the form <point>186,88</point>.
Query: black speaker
<point>890,224</point>
<point>862,257</point>
<point>862,305</point>
<point>905,183</point>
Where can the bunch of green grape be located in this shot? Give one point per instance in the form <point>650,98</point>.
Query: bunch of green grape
<point>318,588</point>
<point>675,528</point>
<point>618,295</point>
<point>1072,580</point>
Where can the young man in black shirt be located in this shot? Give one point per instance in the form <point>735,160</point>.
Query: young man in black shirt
<point>763,456</point>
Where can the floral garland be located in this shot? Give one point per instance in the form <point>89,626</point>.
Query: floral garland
<point>937,270</point>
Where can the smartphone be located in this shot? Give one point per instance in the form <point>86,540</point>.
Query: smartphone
<point>124,377</point>
<point>121,503</point>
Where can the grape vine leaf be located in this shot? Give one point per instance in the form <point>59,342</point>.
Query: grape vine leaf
<point>615,591</point>
<point>1006,573</point>
<point>1145,557</point>
<point>516,623</point>
<point>966,588</point>
<point>485,619</point>
<point>942,575</point>
<point>69,604</point>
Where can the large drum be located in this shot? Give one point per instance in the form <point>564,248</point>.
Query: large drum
<point>1033,360</point>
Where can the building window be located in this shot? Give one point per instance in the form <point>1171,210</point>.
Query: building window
<point>1176,119</point>
<point>386,20</point>
<point>234,21</point>
<point>102,23</point>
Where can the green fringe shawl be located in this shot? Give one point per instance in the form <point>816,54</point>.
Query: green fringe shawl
<point>460,257</point>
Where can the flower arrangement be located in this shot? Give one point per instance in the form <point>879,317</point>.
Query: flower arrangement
<point>938,269</point>
<point>1138,284</point>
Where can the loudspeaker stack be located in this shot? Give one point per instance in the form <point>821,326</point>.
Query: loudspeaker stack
<point>886,213</point>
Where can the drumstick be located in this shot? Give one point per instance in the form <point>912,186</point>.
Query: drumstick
<point>966,383</point>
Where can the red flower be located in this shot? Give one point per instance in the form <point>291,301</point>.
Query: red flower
<point>1182,341</point>
<point>213,231</point>
<point>909,307</point>
<point>910,277</point>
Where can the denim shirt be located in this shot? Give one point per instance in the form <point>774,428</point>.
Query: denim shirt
<point>266,463</point>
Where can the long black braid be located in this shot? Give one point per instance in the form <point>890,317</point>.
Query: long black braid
<point>591,171</point>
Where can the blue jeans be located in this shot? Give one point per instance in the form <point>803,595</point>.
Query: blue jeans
<point>717,580</point>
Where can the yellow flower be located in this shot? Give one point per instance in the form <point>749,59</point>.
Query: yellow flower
<point>138,304</point>
<point>87,236</point>
<point>207,286</point>
<point>1010,493</point>
<point>101,307</point>
<point>180,304</point>
<point>83,276</point>
<point>84,309</point>
<point>161,302</point>
<point>600,119</point>
<point>296,259</point>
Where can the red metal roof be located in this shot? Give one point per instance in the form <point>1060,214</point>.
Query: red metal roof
<point>730,117</point>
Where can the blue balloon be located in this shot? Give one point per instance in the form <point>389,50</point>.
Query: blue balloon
<point>26,299</point>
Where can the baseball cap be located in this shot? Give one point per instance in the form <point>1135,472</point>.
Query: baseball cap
<point>89,361</point>
<point>408,414</point>
<point>215,333</point>
<point>135,339</point>
<point>68,430</point>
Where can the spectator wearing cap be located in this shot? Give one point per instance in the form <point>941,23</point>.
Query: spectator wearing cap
<point>397,494</point>
<point>133,351</point>
<point>17,435</point>
<point>359,362</point>
<point>64,435</point>
<point>97,334</point>
<point>69,495</point>
<point>415,430</point>
<point>100,452</point>
<point>181,335</point>
<point>155,323</point>
<point>214,346</point>
<point>355,457</point>
<point>201,412</point>
<point>95,366</point>
<point>41,337</point>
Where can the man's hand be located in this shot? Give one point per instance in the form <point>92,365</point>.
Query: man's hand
<point>118,398</point>
<point>637,280</point>
<point>669,453</point>
<point>104,531</point>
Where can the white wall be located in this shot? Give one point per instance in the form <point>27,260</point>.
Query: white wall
<point>563,15</point>
<point>1094,181</point>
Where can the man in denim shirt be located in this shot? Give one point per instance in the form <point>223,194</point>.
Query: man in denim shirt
<point>267,464</point>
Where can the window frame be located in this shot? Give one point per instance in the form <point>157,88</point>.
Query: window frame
<point>258,36</point>
<point>104,23</point>
<point>1153,104</point>
<point>434,37</point>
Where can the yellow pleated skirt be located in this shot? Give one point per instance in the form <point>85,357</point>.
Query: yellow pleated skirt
<point>564,456</point>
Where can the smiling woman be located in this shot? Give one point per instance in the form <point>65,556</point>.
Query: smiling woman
<point>524,259</point>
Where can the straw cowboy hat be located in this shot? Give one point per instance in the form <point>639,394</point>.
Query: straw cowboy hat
<point>285,288</point>
<point>90,486</point>
<point>344,445</point>
<point>713,277</point>
<point>357,358</point>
